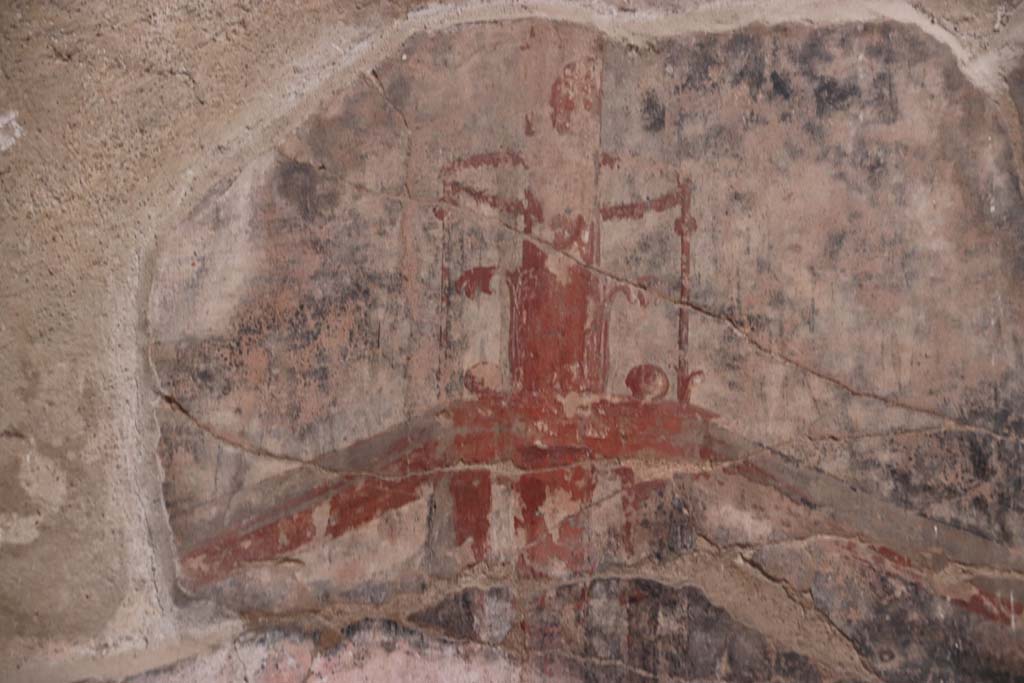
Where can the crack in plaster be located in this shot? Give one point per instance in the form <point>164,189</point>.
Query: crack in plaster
<point>719,316</point>
<point>374,79</point>
<point>805,600</point>
<point>952,423</point>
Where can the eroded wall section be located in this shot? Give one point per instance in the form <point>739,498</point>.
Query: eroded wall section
<point>539,354</point>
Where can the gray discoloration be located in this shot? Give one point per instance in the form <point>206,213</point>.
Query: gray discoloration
<point>903,196</point>
<point>902,632</point>
<point>654,632</point>
<point>754,223</point>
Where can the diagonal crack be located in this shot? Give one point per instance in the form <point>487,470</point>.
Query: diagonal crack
<point>240,444</point>
<point>805,600</point>
<point>858,436</point>
<point>500,467</point>
<point>673,578</point>
<point>951,422</point>
<point>332,472</point>
<point>374,78</point>
<point>191,80</point>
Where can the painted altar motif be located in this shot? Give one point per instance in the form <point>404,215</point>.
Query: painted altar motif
<point>452,327</point>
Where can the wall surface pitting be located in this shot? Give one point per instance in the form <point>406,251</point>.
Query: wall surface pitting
<point>511,341</point>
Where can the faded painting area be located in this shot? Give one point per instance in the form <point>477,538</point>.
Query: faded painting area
<point>538,354</point>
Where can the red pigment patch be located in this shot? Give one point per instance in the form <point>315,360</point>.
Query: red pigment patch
<point>708,454</point>
<point>349,507</point>
<point>528,208</point>
<point>545,547</point>
<point>427,456</point>
<point>892,556</point>
<point>471,494</point>
<point>485,159</point>
<point>533,427</point>
<point>367,501</point>
<point>478,447</point>
<point>475,281</point>
<point>219,558</point>
<point>577,87</point>
<point>678,199</point>
<point>569,232</point>
<point>990,607</point>
<point>551,348</point>
<point>530,430</point>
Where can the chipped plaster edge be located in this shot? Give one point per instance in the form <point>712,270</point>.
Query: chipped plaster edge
<point>338,55</point>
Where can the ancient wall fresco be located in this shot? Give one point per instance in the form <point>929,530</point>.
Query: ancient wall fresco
<point>565,357</point>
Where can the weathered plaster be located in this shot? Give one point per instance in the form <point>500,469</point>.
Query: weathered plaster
<point>128,116</point>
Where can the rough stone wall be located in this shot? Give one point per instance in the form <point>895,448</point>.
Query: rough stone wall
<point>511,341</point>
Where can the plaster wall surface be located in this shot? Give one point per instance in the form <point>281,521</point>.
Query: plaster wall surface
<point>121,123</point>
